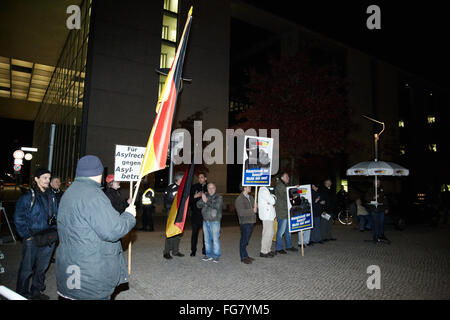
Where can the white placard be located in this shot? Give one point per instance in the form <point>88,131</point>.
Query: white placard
<point>127,163</point>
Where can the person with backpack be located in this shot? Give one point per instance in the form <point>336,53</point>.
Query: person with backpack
<point>35,220</point>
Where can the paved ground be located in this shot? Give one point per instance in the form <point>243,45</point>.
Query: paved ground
<point>415,266</point>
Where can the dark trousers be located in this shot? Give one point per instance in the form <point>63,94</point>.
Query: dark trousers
<point>147,217</point>
<point>172,244</point>
<point>377,224</point>
<point>325,228</point>
<point>35,261</point>
<point>246,233</point>
<point>197,224</point>
<point>316,236</point>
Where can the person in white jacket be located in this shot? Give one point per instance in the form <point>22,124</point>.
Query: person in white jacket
<point>266,203</point>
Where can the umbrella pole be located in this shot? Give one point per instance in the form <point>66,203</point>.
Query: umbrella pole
<point>376,193</point>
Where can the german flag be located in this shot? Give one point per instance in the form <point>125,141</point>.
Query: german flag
<point>178,210</point>
<point>155,156</point>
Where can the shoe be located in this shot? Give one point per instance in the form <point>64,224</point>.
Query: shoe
<point>263,255</point>
<point>179,254</point>
<point>321,242</point>
<point>206,258</point>
<point>216,260</point>
<point>292,249</point>
<point>167,256</point>
<point>40,296</point>
<point>310,244</point>
<point>246,261</point>
<point>272,253</point>
<point>251,259</point>
<point>192,254</point>
<point>325,240</point>
<point>281,251</point>
<point>332,239</point>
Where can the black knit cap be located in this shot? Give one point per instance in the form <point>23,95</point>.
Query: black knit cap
<point>40,171</point>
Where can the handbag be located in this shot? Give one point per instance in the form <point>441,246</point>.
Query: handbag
<point>45,237</point>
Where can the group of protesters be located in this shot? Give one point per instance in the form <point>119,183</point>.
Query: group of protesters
<point>87,223</point>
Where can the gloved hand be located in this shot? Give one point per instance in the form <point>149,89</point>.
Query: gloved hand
<point>131,209</point>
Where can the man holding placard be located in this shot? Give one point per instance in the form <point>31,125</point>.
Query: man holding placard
<point>282,215</point>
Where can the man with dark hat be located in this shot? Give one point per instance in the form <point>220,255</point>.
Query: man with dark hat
<point>35,211</point>
<point>89,259</point>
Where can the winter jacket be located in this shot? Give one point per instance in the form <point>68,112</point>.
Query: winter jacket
<point>89,230</point>
<point>330,200</point>
<point>117,202</point>
<point>370,196</point>
<point>30,220</point>
<point>266,202</point>
<point>318,208</point>
<point>281,203</point>
<point>244,208</point>
<point>169,195</point>
<point>212,209</point>
<point>196,212</point>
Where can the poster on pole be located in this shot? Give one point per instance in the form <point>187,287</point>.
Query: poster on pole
<point>300,214</point>
<point>127,162</point>
<point>257,161</point>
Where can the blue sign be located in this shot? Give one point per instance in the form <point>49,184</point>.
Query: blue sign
<point>300,215</point>
<point>257,161</point>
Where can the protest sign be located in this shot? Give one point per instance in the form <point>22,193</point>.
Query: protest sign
<point>127,162</point>
<point>257,161</point>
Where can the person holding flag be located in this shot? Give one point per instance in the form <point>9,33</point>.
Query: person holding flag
<point>155,155</point>
<point>172,243</point>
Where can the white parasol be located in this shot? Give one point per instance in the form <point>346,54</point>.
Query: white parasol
<point>377,168</point>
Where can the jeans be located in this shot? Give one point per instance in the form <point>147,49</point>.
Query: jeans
<point>283,229</point>
<point>377,224</point>
<point>35,261</point>
<point>364,222</point>
<point>196,226</point>
<point>246,233</point>
<point>306,237</point>
<point>211,230</point>
<point>316,229</point>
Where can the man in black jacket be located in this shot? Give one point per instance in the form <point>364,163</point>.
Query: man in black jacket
<point>172,243</point>
<point>330,207</point>
<point>196,218</point>
<point>55,184</point>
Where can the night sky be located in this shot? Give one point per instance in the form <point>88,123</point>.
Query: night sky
<point>412,36</point>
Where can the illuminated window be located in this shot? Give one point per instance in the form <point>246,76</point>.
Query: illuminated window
<point>163,61</point>
<point>169,28</point>
<point>432,147</point>
<point>344,182</point>
<point>171,5</point>
<point>162,80</point>
<point>165,32</point>
<point>402,150</point>
<point>443,187</point>
<point>401,124</point>
<point>431,119</point>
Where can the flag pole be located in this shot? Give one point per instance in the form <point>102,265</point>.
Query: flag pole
<point>129,243</point>
<point>160,102</point>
